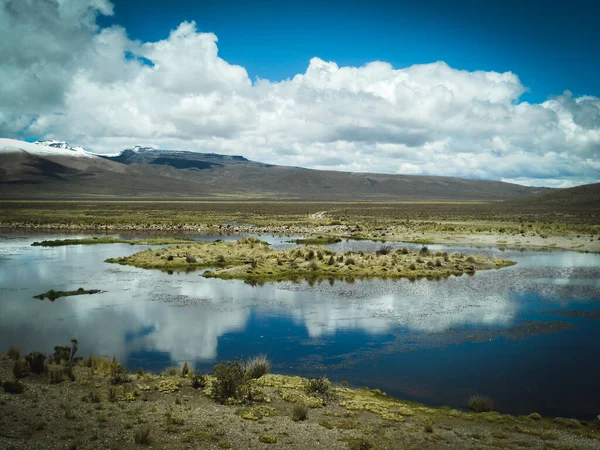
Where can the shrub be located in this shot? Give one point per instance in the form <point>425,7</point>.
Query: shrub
<point>470,259</point>
<point>117,373</point>
<point>142,435</point>
<point>310,255</point>
<point>480,403</point>
<point>404,251</point>
<point>170,258</point>
<point>170,371</point>
<point>185,370</point>
<point>36,362</point>
<point>331,261</point>
<point>341,258</point>
<point>299,412</point>
<point>55,375</point>
<point>13,353</point>
<point>61,353</point>
<point>438,263</point>
<point>19,368</point>
<point>199,381</point>
<point>384,250</point>
<point>190,259</point>
<point>313,266</point>
<point>424,251</point>
<point>446,256</point>
<point>430,264</point>
<point>420,260</point>
<point>13,386</point>
<point>412,266</point>
<point>350,261</point>
<point>220,259</point>
<point>230,381</point>
<point>320,386</point>
<point>258,366</point>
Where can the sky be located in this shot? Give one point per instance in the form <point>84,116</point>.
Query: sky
<point>491,90</point>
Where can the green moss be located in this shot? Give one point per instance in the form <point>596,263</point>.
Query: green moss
<point>267,438</point>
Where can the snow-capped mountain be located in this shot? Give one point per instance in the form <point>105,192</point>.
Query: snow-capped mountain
<point>46,148</point>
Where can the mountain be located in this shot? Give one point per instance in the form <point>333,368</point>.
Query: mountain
<point>579,197</point>
<point>40,171</point>
<point>55,169</point>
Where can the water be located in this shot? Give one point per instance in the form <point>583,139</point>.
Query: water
<point>526,335</point>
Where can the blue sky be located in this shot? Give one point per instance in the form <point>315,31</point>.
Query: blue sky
<point>476,89</point>
<point>551,46</point>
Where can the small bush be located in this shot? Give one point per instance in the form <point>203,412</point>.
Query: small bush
<point>258,366</point>
<point>55,375</point>
<point>438,263</point>
<point>117,373</point>
<point>170,258</point>
<point>470,259</point>
<point>190,259</point>
<point>142,435</point>
<point>220,259</point>
<point>331,261</point>
<point>13,353</point>
<point>404,251</point>
<point>36,360</point>
<point>384,250</point>
<point>350,261</point>
<point>310,255</point>
<point>313,266</point>
<point>420,260</point>
<point>199,381</point>
<point>480,403</point>
<point>230,381</point>
<point>185,370</point>
<point>424,251</point>
<point>341,258</point>
<point>299,412</point>
<point>19,368</point>
<point>428,428</point>
<point>13,386</point>
<point>61,353</point>
<point>320,386</point>
<point>429,264</point>
<point>412,266</point>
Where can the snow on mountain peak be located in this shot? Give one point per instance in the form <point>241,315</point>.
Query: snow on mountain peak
<point>47,148</point>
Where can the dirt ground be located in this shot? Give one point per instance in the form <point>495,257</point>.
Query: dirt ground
<point>90,412</point>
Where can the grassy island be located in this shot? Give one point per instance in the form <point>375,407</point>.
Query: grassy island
<point>110,240</point>
<point>253,260</point>
<point>53,295</point>
<point>66,402</point>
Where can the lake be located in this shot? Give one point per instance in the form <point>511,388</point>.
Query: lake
<point>527,335</point>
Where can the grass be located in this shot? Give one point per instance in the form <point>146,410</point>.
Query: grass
<point>299,412</point>
<point>254,261</point>
<point>320,386</point>
<point>110,240</point>
<point>142,435</point>
<point>480,403</point>
<point>258,366</point>
<point>53,295</point>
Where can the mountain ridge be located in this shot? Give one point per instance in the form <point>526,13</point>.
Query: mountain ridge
<point>59,170</point>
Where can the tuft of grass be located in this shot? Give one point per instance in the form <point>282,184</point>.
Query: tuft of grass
<point>13,353</point>
<point>258,366</point>
<point>428,428</point>
<point>20,368</point>
<point>185,370</point>
<point>13,386</point>
<point>320,386</point>
<point>142,435</point>
<point>299,412</point>
<point>480,403</point>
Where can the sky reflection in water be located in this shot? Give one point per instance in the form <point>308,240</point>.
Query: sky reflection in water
<point>433,341</point>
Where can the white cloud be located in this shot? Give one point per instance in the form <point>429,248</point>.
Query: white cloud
<point>100,89</point>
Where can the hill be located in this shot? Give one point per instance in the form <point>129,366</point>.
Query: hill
<point>59,171</point>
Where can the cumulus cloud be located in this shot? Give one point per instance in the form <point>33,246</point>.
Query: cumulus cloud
<point>100,89</point>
